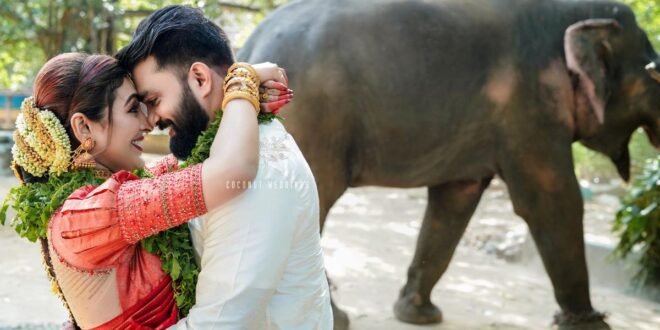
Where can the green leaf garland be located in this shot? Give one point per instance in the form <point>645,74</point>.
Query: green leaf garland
<point>35,203</point>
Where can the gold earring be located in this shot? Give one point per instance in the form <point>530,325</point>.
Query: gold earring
<point>81,158</point>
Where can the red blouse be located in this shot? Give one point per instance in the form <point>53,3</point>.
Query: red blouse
<point>107,278</point>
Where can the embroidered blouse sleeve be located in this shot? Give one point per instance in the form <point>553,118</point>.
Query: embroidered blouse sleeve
<point>148,206</point>
<point>165,165</point>
<point>98,227</point>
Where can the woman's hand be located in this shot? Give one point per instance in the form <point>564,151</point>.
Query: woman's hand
<point>270,71</point>
<point>274,92</point>
<point>274,95</point>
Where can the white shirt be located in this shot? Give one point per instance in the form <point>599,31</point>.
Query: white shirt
<point>260,254</point>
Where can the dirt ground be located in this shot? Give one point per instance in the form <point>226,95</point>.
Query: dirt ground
<point>369,241</point>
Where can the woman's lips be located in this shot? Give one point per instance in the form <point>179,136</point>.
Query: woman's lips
<point>137,143</point>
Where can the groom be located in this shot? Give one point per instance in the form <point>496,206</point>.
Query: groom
<point>261,260</point>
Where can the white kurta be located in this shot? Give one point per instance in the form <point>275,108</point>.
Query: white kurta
<point>261,260</point>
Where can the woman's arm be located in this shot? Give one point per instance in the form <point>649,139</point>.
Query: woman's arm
<point>234,154</point>
<point>235,159</point>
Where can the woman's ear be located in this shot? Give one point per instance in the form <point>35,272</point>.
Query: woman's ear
<point>200,78</point>
<point>80,126</point>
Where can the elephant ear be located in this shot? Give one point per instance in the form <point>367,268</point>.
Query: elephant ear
<point>588,53</point>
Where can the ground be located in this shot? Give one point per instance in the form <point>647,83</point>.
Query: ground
<point>493,282</point>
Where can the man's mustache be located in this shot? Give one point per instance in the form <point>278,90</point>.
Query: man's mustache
<point>163,124</point>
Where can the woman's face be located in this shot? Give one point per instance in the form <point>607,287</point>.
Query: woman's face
<point>119,144</point>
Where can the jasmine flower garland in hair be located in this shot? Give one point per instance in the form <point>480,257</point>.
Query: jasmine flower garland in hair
<point>42,145</point>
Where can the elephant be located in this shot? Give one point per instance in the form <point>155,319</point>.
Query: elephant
<point>446,94</point>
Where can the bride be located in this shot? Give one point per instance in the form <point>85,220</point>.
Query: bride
<point>77,139</point>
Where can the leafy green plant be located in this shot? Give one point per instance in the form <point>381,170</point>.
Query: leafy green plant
<point>648,16</point>
<point>638,223</point>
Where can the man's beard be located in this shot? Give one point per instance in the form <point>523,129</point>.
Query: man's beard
<point>190,120</point>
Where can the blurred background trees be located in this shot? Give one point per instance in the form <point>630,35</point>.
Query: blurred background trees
<point>32,31</point>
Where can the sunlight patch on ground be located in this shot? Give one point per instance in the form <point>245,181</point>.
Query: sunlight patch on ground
<point>342,260</point>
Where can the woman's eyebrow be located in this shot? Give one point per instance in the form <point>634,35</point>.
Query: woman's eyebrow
<point>130,98</point>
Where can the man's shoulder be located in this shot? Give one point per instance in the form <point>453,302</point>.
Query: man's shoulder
<point>272,126</point>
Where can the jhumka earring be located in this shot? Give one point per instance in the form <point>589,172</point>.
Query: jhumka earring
<point>81,157</point>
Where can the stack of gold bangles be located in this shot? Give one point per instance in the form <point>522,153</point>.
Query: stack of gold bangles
<point>241,83</point>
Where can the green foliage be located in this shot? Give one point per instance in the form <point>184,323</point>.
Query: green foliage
<point>638,223</point>
<point>203,145</point>
<point>35,203</point>
<point>176,252</point>
<point>648,17</point>
<point>33,31</point>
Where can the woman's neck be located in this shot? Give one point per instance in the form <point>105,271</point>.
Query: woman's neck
<point>100,166</point>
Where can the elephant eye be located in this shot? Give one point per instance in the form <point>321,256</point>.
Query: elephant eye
<point>652,69</point>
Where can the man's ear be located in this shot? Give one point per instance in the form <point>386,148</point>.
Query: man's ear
<point>200,79</point>
<point>80,126</point>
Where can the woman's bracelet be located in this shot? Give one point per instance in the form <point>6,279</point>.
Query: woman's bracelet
<point>241,82</point>
<point>241,95</point>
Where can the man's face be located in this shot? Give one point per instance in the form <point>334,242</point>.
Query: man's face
<point>171,104</point>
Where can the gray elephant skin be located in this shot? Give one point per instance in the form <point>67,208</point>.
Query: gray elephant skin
<point>448,94</point>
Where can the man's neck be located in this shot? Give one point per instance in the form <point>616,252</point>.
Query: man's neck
<point>218,95</point>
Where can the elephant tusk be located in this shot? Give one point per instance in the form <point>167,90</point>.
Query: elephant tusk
<point>651,68</point>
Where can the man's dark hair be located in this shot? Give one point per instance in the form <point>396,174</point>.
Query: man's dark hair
<point>178,36</point>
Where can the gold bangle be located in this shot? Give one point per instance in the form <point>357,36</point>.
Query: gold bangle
<point>240,73</point>
<point>245,66</point>
<point>242,76</point>
<point>240,69</point>
<point>241,95</point>
<point>242,88</point>
<point>242,82</point>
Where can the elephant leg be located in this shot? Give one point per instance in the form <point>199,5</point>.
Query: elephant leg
<point>329,192</point>
<point>328,198</point>
<point>545,193</point>
<point>448,212</point>
<point>330,189</point>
